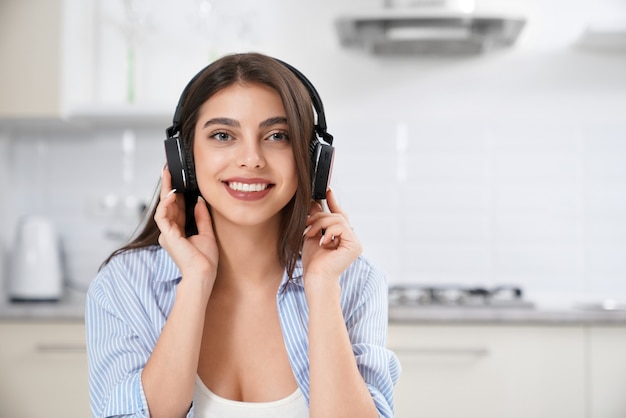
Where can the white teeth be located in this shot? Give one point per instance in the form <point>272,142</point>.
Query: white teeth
<point>245,187</point>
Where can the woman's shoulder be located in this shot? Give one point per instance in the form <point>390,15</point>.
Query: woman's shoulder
<point>137,266</point>
<point>133,256</point>
<point>136,287</point>
<point>130,260</point>
<point>364,273</point>
<point>366,267</point>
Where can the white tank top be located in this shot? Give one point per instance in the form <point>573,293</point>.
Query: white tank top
<point>209,405</point>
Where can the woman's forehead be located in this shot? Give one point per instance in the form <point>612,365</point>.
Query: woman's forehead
<point>244,101</point>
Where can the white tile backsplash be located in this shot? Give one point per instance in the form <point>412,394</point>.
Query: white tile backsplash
<point>605,229</point>
<point>602,199</point>
<point>606,167</point>
<point>539,205</point>
<point>462,264</point>
<point>66,176</point>
<point>470,211</point>
<point>555,198</point>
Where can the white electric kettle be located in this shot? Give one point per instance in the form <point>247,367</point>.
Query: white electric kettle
<point>35,272</point>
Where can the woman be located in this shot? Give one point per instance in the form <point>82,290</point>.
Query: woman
<point>246,299</point>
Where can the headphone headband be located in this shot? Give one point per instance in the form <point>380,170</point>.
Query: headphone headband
<point>320,126</point>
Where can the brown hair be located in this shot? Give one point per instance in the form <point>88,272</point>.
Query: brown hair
<point>259,69</point>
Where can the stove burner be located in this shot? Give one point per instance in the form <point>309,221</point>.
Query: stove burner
<point>457,296</point>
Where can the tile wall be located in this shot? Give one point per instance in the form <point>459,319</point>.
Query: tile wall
<point>539,206</point>
<point>80,179</point>
<point>542,207</point>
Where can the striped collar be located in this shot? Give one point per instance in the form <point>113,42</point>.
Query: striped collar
<point>167,270</point>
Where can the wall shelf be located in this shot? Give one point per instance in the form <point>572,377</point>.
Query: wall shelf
<point>132,116</point>
<point>95,117</point>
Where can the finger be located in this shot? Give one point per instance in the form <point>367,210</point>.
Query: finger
<point>161,214</point>
<point>326,219</point>
<point>166,182</point>
<point>336,232</point>
<point>320,223</point>
<point>203,218</point>
<point>333,205</point>
<point>332,237</point>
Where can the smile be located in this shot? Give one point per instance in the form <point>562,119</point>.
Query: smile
<point>248,188</point>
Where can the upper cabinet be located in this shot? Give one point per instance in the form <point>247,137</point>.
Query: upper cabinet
<point>30,52</point>
<point>47,54</point>
<point>97,62</point>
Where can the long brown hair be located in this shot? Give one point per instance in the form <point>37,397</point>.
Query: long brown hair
<point>259,69</point>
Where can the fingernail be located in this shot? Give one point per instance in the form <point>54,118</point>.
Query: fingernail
<point>171,192</point>
<point>322,240</point>
<point>307,229</point>
<point>200,199</point>
<point>332,237</point>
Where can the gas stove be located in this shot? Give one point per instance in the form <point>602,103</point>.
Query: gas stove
<point>415,295</point>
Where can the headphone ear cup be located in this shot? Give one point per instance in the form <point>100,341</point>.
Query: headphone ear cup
<point>190,167</point>
<point>180,165</point>
<point>322,156</point>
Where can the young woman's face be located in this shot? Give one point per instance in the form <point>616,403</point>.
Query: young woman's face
<point>243,155</point>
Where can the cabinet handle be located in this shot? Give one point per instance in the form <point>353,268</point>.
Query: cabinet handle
<point>443,351</point>
<point>48,348</point>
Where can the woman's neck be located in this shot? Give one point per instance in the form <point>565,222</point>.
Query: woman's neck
<point>248,254</point>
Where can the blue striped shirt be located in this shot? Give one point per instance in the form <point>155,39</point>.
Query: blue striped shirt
<point>130,299</point>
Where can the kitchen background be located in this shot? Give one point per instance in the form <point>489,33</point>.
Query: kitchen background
<point>477,170</point>
<point>505,167</point>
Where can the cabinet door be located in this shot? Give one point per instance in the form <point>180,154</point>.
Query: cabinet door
<point>489,371</point>
<point>43,370</point>
<point>608,371</point>
<point>30,38</point>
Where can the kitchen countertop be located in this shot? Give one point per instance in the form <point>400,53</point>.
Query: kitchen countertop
<point>72,308</point>
<point>563,316</point>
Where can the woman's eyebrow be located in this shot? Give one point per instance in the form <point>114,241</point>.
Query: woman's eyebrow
<point>277,120</point>
<point>222,121</point>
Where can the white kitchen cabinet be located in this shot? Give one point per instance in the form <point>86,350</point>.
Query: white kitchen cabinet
<point>607,346</point>
<point>30,51</point>
<point>43,370</point>
<point>47,54</point>
<point>489,371</point>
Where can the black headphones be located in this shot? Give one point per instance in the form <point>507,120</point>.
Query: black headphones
<point>181,165</point>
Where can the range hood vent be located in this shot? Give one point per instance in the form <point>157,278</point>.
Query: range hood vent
<point>434,32</point>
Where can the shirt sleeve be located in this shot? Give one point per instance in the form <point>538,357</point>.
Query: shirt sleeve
<point>367,327</point>
<point>116,351</point>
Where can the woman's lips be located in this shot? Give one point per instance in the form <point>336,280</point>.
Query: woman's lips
<point>248,189</point>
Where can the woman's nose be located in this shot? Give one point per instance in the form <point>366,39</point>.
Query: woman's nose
<point>251,154</point>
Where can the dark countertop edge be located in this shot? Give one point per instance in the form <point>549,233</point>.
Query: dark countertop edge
<point>66,319</point>
<point>538,317</point>
<point>35,314</point>
<point>69,309</point>
<point>74,310</point>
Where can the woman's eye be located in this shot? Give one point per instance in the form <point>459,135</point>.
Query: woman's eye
<point>279,136</point>
<point>221,136</point>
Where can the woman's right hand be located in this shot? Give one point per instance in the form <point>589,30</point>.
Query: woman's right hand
<point>196,255</point>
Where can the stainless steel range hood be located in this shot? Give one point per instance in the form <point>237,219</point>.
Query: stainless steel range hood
<point>433,32</point>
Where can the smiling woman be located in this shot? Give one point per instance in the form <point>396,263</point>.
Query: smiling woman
<point>239,277</point>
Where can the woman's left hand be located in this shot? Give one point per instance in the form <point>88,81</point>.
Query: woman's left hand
<point>326,255</point>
